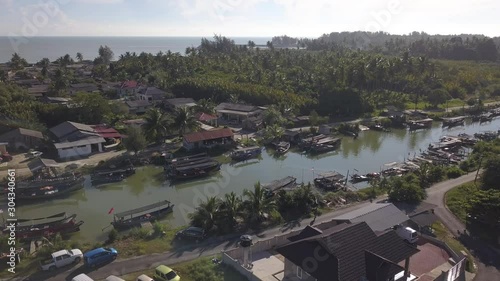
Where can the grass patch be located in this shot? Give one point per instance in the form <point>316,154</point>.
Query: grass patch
<point>444,235</point>
<point>456,199</point>
<point>202,269</point>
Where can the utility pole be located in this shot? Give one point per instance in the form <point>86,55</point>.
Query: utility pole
<point>478,167</point>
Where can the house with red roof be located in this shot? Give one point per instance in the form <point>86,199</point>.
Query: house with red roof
<point>207,119</point>
<point>208,139</point>
<point>129,88</point>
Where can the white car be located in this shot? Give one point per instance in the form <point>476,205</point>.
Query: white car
<point>34,154</point>
<point>144,277</point>
<point>113,278</point>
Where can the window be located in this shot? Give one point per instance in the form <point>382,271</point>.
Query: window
<point>299,272</point>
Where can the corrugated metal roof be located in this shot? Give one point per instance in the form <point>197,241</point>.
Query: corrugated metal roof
<point>40,163</point>
<point>66,128</point>
<point>378,216</point>
<point>208,135</point>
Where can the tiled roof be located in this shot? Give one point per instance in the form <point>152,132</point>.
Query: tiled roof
<point>137,103</point>
<point>30,133</point>
<point>106,131</point>
<point>40,163</point>
<point>414,209</point>
<point>208,135</point>
<point>341,251</point>
<point>129,84</point>
<point>203,117</point>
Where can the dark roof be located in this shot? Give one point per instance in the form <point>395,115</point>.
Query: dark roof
<point>378,216</point>
<point>38,89</point>
<point>424,219</point>
<point>72,131</point>
<point>137,103</point>
<point>153,91</point>
<point>342,251</point>
<point>208,135</point>
<point>307,232</point>
<point>379,268</point>
<point>414,209</point>
<point>40,163</point>
<point>237,107</point>
<point>180,101</point>
<point>23,132</point>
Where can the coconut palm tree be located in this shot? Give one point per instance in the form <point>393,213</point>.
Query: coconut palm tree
<point>258,204</point>
<point>157,124</point>
<point>205,106</point>
<point>184,120</point>
<point>205,214</point>
<point>230,208</point>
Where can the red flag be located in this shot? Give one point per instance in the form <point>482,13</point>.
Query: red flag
<point>111,210</point>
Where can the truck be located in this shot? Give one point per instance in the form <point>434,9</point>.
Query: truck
<point>407,233</point>
<point>60,259</point>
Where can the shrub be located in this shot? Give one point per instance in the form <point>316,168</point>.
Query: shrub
<point>158,229</point>
<point>139,233</point>
<point>454,172</point>
<point>112,235</point>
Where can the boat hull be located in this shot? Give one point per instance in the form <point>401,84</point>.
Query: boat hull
<point>137,221</point>
<point>34,194</point>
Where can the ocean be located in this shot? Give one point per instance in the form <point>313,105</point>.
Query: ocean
<point>35,48</point>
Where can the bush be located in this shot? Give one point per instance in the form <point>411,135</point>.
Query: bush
<point>158,229</point>
<point>454,172</point>
<point>112,235</point>
<point>139,233</point>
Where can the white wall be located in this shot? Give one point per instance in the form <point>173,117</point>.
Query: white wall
<point>74,151</point>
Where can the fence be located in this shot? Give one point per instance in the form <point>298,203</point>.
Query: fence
<point>226,259</point>
<point>456,257</point>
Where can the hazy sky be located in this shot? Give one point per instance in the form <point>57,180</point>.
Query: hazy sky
<point>305,18</point>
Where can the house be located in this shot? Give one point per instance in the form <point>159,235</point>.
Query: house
<point>28,82</point>
<point>151,94</point>
<point>38,91</point>
<point>346,252</point>
<point>138,106</point>
<point>128,89</point>
<point>83,88</point>
<point>253,123</point>
<point>21,138</point>
<point>176,103</point>
<point>379,217</point>
<point>299,121</point>
<point>207,119</point>
<point>208,139</point>
<point>237,113</point>
<point>111,87</point>
<point>55,100</point>
<point>76,140</point>
<point>421,215</point>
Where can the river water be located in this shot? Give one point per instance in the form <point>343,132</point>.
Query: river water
<point>368,153</point>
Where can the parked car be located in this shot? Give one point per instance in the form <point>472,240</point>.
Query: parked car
<point>113,278</point>
<point>165,273</point>
<point>99,256</point>
<point>82,277</point>
<point>192,232</point>
<point>144,277</point>
<point>61,258</point>
<point>34,154</point>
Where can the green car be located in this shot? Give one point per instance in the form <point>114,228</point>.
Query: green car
<point>165,273</point>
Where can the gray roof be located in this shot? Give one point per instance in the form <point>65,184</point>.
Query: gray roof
<point>424,219</point>
<point>153,91</point>
<point>72,131</point>
<point>40,163</point>
<point>86,141</point>
<point>379,217</point>
<point>237,107</point>
<point>181,102</point>
<point>414,209</point>
<point>137,103</point>
<point>23,132</point>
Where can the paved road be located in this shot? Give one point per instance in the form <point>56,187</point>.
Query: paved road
<point>487,259</point>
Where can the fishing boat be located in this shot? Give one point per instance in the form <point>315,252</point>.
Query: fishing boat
<point>420,124</point>
<point>41,182</point>
<point>325,145</point>
<point>110,176</point>
<point>453,122</point>
<point>49,190</point>
<point>282,147</point>
<point>359,178</point>
<point>379,127</point>
<point>373,176</point>
<point>281,184</point>
<point>246,153</point>
<point>136,217</point>
<point>194,171</point>
<point>486,118</point>
<point>329,181</point>
<point>27,229</point>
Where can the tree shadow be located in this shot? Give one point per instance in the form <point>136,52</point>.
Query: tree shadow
<point>481,250</point>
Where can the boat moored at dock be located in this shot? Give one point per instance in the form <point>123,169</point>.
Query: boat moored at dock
<point>246,153</point>
<point>137,217</point>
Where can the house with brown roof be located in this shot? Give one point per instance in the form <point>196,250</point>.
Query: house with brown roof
<point>21,138</point>
<point>76,140</point>
<point>128,89</point>
<point>38,91</point>
<point>346,252</point>
<point>208,139</point>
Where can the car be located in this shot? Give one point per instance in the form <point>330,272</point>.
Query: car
<point>192,232</point>
<point>113,278</point>
<point>99,256</point>
<point>144,277</point>
<point>82,277</point>
<point>60,259</point>
<point>34,154</point>
<point>165,273</point>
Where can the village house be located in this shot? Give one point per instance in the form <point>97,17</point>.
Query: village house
<point>38,91</point>
<point>23,139</point>
<point>237,113</point>
<point>83,88</point>
<point>208,119</point>
<point>151,94</point>
<point>111,87</point>
<point>111,135</point>
<point>138,106</point>
<point>173,104</point>
<point>208,139</point>
<point>129,89</point>
<point>345,252</point>
<point>55,100</point>
<point>76,140</point>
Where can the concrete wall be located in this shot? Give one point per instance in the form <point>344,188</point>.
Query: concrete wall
<point>75,151</point>
<point>456,256</point>
<point>226,259</point>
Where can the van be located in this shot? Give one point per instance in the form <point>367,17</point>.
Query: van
<point>407,233</point>
<point>144,277</point>
<point>99,256</point>
<point>82,277</point>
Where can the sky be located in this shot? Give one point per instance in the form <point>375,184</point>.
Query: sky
<point>243,18</point>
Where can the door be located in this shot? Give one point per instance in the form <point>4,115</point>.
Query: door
<point>66,260</point>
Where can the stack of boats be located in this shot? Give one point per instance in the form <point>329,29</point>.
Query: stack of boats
<point>246,153</point>
<point>330,181</point>
<point>194,166</point>
<point>356,178</point>
<point>146,214</point>
<point>47,188</point>
<point>320,144</point>
<point>28,229</point>
<point>486,136</point>
<point>111,175</point>
<point>286,183</point>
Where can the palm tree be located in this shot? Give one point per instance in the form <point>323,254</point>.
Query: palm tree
<point>258,203</point>
<point>156,126</point>
<point>205,106</point>
<point>184,120</point>
<point>205,214</point>
<point>79,57</point>
<point>230,208</point>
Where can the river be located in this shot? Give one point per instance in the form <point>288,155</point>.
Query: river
<point>368,153</point>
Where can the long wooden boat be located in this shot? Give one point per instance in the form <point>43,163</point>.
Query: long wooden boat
<point>277,185</point>
<point>196,171</point>
<point>136,217</point>
<point>246,153</point>
<point>64,225</point>
<point>329,181</point>
<point>33,183</point>
<point>359,178</point>
<point>49,191</point>
<point>111,176</point>
<point>455,121</point>
<point>282,147</point>
<point>186,158</point>
<point>420,124</point>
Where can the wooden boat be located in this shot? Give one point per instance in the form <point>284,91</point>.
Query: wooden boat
<point>246,153</point>
<point>486,118</point>
<point>277,185</point>
<point>110,176</point>
<point>282,147</point>
<point>373,176</point>
<point>49,191</point>
<point>325,145</point>
<point>379,127</point>
<point>329,181</point>
<point>194,171</point>
<point>26,230</point>
<point>452,122</point>
<point>420,124</point>
<point>136,217</point>
<point>33,183</point>
<point>359,178</point>
<point>176,161</point>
